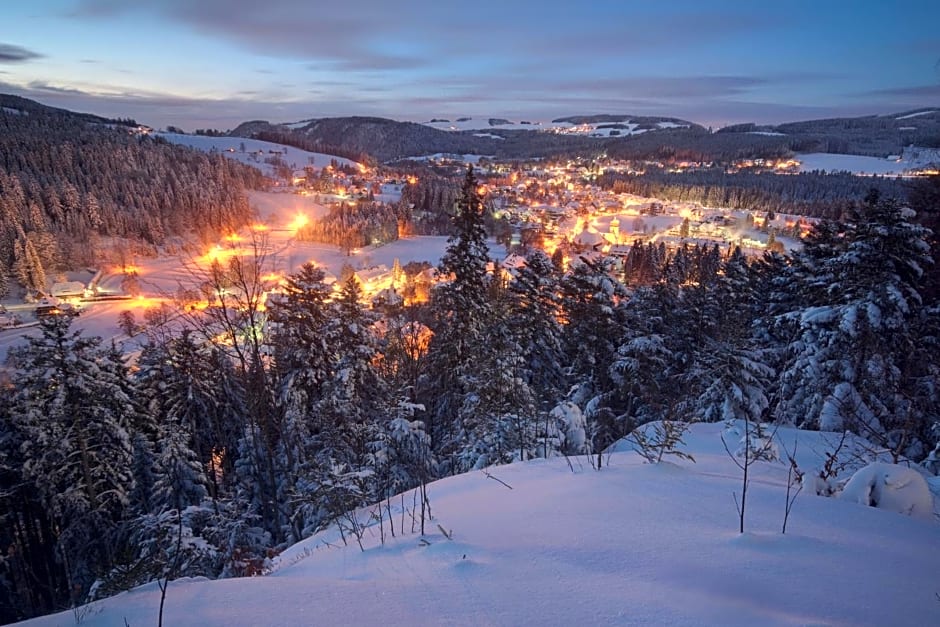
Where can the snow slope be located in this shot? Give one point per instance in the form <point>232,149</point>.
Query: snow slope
<point>631,544</point>
<point>913,157</point>
<point>597,129</point>
<point>255,152</point>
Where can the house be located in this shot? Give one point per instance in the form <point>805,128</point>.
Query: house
<point>375,279</point>
<point>68,289</point>
<point>589,239</point>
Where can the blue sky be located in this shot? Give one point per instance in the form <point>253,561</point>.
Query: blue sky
<point>215,63</point>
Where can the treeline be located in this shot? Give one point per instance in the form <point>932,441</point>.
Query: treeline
<point>250,425</point>
<point>66,184</point>
<point>388,140</point>
<point>299,141</point>
<point>808,193</point>
<point>354,225</point>
<point>430,203</point>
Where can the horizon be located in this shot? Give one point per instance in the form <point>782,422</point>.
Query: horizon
<point>425,121</point>
<point>216,63</point>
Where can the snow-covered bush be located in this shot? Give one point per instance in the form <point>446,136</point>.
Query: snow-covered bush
<point>891,487</point>
<point>932,463</point>
<point>657,439</point>
<point>574,426</point>
<point>756,441</point>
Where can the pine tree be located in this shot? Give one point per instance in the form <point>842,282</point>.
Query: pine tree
<point>73,409</point>
<point>651,357</point>
<point>32,580</point>
<point>354,395</point>
<point>504,428</point>
<point>344,423</point>
<point>180,478</point>
<point>463,313</point>
<point>729,371</point>
<point>591,306</point>
<point>301,347</point>
<point>4,280</point>
<point>534,323</point>
<point>851,369</point>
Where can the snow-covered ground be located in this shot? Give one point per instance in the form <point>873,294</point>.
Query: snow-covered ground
<point>162,277</point>
<point>598,129</point>
<point>254,152</point>
<point>916,114</point>
<point>477,124</point>
<point>632,544</point>
<point>440,156</point>
<point>857,164</point>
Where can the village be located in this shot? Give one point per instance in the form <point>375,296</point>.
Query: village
<point>557,207</point>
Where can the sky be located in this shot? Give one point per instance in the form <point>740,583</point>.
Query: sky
<point>216,63</point>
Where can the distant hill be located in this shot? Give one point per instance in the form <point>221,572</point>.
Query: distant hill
<point>15,105</point>
<point>620,135</point>
<point>874,135</point>
<point>636,119</point>
<point>388,140</point>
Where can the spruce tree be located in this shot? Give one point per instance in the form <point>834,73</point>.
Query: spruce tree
<point>852,365</point>
<point>73,409</point>
<point>534,322</point>
<point>463,314</point>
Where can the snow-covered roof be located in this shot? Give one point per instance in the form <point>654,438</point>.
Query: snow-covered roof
<point>590,237</point>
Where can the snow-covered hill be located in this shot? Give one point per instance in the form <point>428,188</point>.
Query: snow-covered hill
<point>546,542</point>
<point>255,152</point>
<point>587,126</point>
<point>911,159</point>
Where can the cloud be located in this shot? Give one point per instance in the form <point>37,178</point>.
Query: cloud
<point>673,87</point>
<point>43,87</point>
<point>925,92</point>
<point>16,54</point>
<point>160,109</point>
<point>95,9</point>
<point>357,35</point>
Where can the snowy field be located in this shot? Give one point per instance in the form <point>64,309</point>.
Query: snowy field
<point>441,156</point>
<point>857,164</point>
<point>593,130</point>
<point>632,544</point>
<point>255,151</point>
<point>161,278</point>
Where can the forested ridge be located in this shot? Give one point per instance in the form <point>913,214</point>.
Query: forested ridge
<point>249,428</point>
<point>812,194</point>
<point>389,140</point>
<point>69,181</point>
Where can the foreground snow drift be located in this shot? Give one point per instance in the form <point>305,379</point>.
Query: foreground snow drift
<point>631,544</point>
<point>890,487</point>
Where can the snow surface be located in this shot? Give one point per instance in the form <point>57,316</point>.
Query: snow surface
<point>856,164</point>
<point>890,487</point>
<point>475,124</point>
<point>632,544</point>
<point>256,151</point>
<point>439,156</point>
<point>162,277</point>
<point>591,130</point>
<point>914,115</point>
